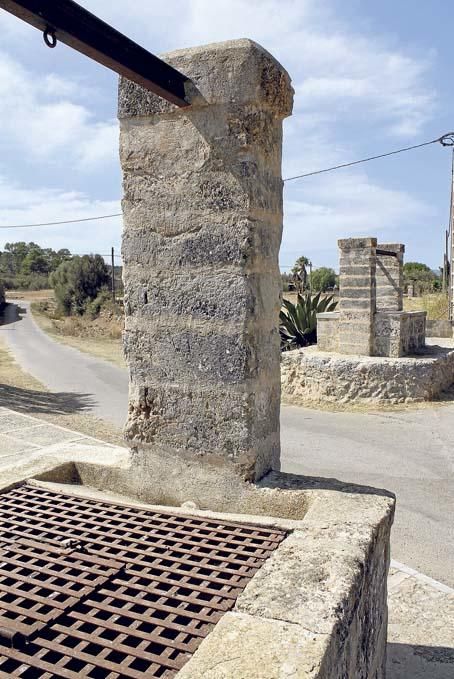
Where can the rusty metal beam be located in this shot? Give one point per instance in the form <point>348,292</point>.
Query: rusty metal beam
<point>68,22</point>
<point>386,253</point>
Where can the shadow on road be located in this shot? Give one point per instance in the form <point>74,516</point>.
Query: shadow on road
<point>28,401</point>
<point>12,313</point>
<point>406,661</point>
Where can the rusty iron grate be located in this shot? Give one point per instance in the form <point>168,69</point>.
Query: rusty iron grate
<point>89,588</point>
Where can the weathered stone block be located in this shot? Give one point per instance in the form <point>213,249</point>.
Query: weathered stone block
<point>361,244</point>
<point>328,331</point>
<point>190,422</point>
<point>226,295</point>
<point>233,72</point>
<point>217,357</point>
<point>193,243</point>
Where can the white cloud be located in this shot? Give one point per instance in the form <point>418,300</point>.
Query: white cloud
<point>23,205</point>
<point>318,214</point>
<point>333,66</point>
<point>37,116</point>
<point>344,80</point>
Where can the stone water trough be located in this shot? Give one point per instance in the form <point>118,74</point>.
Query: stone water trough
<point>203,219</point>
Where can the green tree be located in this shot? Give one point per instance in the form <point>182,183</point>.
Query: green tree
<point>35,261</point>
<point>78,281</point>
<point>323,279</point>
<point>420,275</point>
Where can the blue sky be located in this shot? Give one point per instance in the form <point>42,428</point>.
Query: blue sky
<point>369,77</point>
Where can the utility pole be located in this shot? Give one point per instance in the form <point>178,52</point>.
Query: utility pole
<point>113,275</point>
<point>450,262</point>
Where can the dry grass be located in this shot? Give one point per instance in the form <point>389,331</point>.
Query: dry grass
<point>21,392</point>
<point>100,337</point>
<point>30,295</point>
<point>436,305</point>
<point>292,296</point>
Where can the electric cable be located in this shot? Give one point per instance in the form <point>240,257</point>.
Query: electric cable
<point>445,140</point>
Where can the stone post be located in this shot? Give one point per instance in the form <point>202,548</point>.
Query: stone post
<point>390,277</point>
<point>202,229</point>
<point>357,295</point>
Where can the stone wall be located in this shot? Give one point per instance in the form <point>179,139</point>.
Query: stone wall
<point>438,328</point>
<point>311,376</point>
<point>399,333</point>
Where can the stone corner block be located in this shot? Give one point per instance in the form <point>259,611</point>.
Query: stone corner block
<point>241,646</point>
<point>222,73</point>
<point>356,243</point>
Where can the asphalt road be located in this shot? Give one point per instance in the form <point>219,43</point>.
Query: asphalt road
<point>101,388</point>
<point>408,452</point>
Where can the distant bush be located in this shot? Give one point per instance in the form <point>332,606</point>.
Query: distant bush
<point>102,300</point>
<point>323,279</point>
<point>78,281</point>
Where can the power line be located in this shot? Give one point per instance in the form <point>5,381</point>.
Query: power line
<point>101,254</point>
<point>68,221</point>
<point>445,140</point>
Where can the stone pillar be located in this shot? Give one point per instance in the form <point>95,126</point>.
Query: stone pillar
<point>390,277</point>
<point>357,295</point>
<point>202,229</point>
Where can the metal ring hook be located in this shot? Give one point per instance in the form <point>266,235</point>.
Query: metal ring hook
<point>447,139</point>
<point>49,37</point>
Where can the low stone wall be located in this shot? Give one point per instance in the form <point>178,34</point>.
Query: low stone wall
<point>439,328</point>
<point>310,375</point>
<point>398,333</point>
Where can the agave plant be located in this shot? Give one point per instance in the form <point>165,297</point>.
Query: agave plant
<point>298,322</point>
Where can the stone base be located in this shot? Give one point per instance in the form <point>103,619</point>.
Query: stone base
<point>317,608</point>
<point>313,376</point>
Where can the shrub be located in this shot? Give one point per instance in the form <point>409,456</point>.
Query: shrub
<point>78,281</point>
<point>298,322</point>
<point>323,279</point>
<point>103,299</point>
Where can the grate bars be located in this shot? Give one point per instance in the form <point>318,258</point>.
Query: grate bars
<point>93,589</point>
